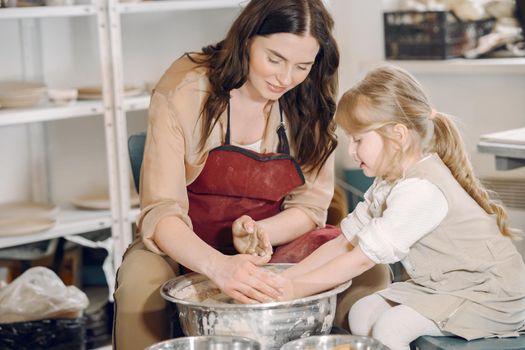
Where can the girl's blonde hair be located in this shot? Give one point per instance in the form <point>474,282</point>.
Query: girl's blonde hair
<point>388,96</point>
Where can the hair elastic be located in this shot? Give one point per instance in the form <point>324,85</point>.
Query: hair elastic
<point>433,114</point>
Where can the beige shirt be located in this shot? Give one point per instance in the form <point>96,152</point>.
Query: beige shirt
<point>172,159</point>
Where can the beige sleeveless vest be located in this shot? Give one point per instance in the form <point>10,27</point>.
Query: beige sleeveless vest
<point>465,275</point>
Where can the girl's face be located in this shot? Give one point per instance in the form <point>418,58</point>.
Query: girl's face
<point>278,63</point>
<point>366,148</point>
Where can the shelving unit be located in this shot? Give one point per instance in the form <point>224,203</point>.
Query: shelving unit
<point>133,214</point>
<point>69,220</point>
<point>457,66</point>
<point>50,112</point>
<point>174,5</point>
<point>113,108</point>
<point>138,103</point>
<point>48,11</point>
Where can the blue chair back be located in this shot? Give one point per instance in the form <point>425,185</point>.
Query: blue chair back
<point>136,152</point>
<point>455,343</point>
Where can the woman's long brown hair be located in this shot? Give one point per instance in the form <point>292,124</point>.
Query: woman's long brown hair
<point>310,106</point>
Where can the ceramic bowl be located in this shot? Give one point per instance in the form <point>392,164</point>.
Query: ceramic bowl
<point>62,97</point>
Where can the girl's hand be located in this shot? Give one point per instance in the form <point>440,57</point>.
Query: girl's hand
<point>250,238</point>
<point>239,277</point>
<point>288,290</point>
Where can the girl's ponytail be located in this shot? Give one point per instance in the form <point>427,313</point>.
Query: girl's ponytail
<point>448,144</point>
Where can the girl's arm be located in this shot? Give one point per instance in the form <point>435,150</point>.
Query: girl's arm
<point>414,207</point>
<point>320,256</point>
<point>332,273</point>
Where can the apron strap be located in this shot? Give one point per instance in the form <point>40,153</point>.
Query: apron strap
<point>283,146</point>
<point>227,137</point>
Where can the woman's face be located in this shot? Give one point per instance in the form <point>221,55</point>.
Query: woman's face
<point>278,63</point>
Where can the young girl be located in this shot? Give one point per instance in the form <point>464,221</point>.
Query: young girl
<point>426,209</point>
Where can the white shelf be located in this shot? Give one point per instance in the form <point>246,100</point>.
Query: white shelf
<point>11,116</point>
<point>133,214</point>
<point>136,103</point>
<point>176,5</point>
<point>107,347</point>
<point>70,221</point>
<point>47,11</point>
<point>457,66</point>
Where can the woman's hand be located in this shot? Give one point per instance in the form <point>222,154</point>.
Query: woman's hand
<point>250,238</point>
<point>239,277</point>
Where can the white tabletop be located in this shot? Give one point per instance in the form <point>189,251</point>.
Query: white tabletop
<point>512,137</point>
<point>508,146</point>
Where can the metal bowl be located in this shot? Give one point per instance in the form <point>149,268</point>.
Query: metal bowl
<point>271,324</point>
<point>334,342</point>
<point>207,343</point>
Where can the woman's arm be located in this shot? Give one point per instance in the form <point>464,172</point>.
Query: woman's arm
<point>286,226</point>
<point>237,276</point>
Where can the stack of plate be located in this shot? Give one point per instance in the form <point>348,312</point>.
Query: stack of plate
<point>18,218</point>
<point>95,92</point>
<point>99,317</point>
<point>15,94</point>
<point>100,201</point>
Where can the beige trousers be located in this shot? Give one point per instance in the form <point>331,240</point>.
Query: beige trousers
<point>142,318</point>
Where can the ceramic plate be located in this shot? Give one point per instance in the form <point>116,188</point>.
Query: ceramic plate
<point>28,210</point>
<point>99,202</point>
<point>95,93</point>
<point>23,226</point>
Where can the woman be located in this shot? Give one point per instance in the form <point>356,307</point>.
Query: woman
<point>240,142</point>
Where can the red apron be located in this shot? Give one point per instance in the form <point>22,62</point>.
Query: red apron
<point>235,182</point>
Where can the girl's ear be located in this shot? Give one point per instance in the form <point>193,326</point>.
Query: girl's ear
<point>401,135</point>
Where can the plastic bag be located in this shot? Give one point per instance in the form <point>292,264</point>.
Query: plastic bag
<point>40,294</point>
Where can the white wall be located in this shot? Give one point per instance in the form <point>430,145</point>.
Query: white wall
<point>151,42</point>
<point>358,30</point>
